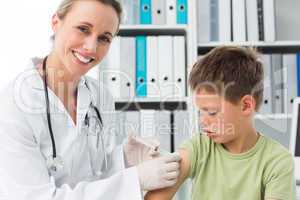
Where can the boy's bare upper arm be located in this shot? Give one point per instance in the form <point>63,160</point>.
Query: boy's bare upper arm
<point>168,193</point>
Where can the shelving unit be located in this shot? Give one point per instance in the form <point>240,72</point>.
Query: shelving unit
<point>264,47</point>
<point>189,32</point>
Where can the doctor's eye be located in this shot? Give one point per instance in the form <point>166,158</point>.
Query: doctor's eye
<point>104,39</point>
<point>83,29</point>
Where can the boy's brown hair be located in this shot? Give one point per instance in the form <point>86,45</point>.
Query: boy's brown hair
<point>231,72</point>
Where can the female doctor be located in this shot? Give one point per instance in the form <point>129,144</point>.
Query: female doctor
<point>57,126</point>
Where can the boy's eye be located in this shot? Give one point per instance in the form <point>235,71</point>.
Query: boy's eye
<point>212,113</point>
<point>207,112</point>
<point>83,29</point>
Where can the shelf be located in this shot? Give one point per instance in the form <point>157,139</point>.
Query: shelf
<point>133,30</point>
<point>151,104</point>
<point>265,47</point>
<point>273,116</point>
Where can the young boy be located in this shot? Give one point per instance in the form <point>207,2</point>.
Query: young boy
<point>231,160</point>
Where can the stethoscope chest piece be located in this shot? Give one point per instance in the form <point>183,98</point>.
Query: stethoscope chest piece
<point>55,164</point>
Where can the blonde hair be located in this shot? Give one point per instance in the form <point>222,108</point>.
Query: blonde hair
<point>66,5</point>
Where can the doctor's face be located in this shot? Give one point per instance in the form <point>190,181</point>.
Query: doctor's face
<point>83,36</point>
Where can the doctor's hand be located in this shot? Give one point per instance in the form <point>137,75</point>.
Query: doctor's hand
<point>159,172</point>
<point>138,150</point>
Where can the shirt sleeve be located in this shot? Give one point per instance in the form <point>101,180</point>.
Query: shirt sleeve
<point>281,182</point>
<point>198,148</point>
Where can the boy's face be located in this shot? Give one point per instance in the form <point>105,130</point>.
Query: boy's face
<point>219,119</point>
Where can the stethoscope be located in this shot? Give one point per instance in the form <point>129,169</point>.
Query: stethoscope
<point>55,162</point>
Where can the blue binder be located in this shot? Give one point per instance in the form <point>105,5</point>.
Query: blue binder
<point>182,7</point>
<point>145,12</point>
<point>141,66</point>
<point>298,73</point>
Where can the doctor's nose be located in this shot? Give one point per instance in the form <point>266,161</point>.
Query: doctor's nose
<point>90,45</point>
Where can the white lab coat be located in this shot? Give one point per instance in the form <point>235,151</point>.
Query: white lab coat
<point>25,145</point>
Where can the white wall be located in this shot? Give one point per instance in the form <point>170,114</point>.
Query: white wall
<point>24,33</point>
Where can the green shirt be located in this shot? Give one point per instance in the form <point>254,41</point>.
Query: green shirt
<point>265,171</point>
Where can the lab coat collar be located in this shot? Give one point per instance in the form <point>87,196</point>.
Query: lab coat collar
<point>38,83</point>
<point>84,98</point>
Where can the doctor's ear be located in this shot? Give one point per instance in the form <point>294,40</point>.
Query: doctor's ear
<point>55,21</point>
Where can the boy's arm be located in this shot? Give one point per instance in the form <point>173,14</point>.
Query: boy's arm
<point>168,193</point>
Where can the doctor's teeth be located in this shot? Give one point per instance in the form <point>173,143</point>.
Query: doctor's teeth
<point>82,59</point>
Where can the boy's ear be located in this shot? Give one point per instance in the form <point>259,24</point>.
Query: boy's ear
<point>248,104</point>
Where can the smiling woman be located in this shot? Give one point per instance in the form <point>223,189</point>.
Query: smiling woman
<point>57,126</point>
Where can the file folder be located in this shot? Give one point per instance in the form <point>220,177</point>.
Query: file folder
<point>182,131</point>
<point>132,123</point>
<point>128,67</point>
<point>252,20</point>
<point>163,129</point>
<point>290,80</point>
<point>141,66</point>
<point>266,106</point>
<point>182,10</point>
<point>298,74</point>
<point>131,10</point>
<point>239,20</point>
<point>171,12</point>
<point>269,20</point>
<point>277,82</point>
<point>120,132</point>
<point>159,12</point>
<point>165,66</point>
<point>145,12</point>
<point>221,20</point>
<point>225,20</point>
<point>203,21</point>
<point>179,66</point>
<point>110,69</point>
<point>147,123</point>
<point>153,89</point>
<point>277,129</point>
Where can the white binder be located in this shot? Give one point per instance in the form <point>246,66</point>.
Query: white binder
<point>266,106</point>
<point>239,20</point>
<point>171,12</point>
<point>277,82</point>
<point>224,20</point>
<point>147,123</point>
<point>110,69</point>
<point>179,66</point>
<point>130,13</point>
<point>159,12</point>
<point>290,81</point>
<point>165,66</point>
<point>120,132</point>
<point>163,129</point>
<point>203,21</point>
<point>152,67</point>
<point>132,123</point>
<point>252,20</point>
<point>127,68</point>
<point>277,129</point>
<point>182,128</point>
<point>269,20</point>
